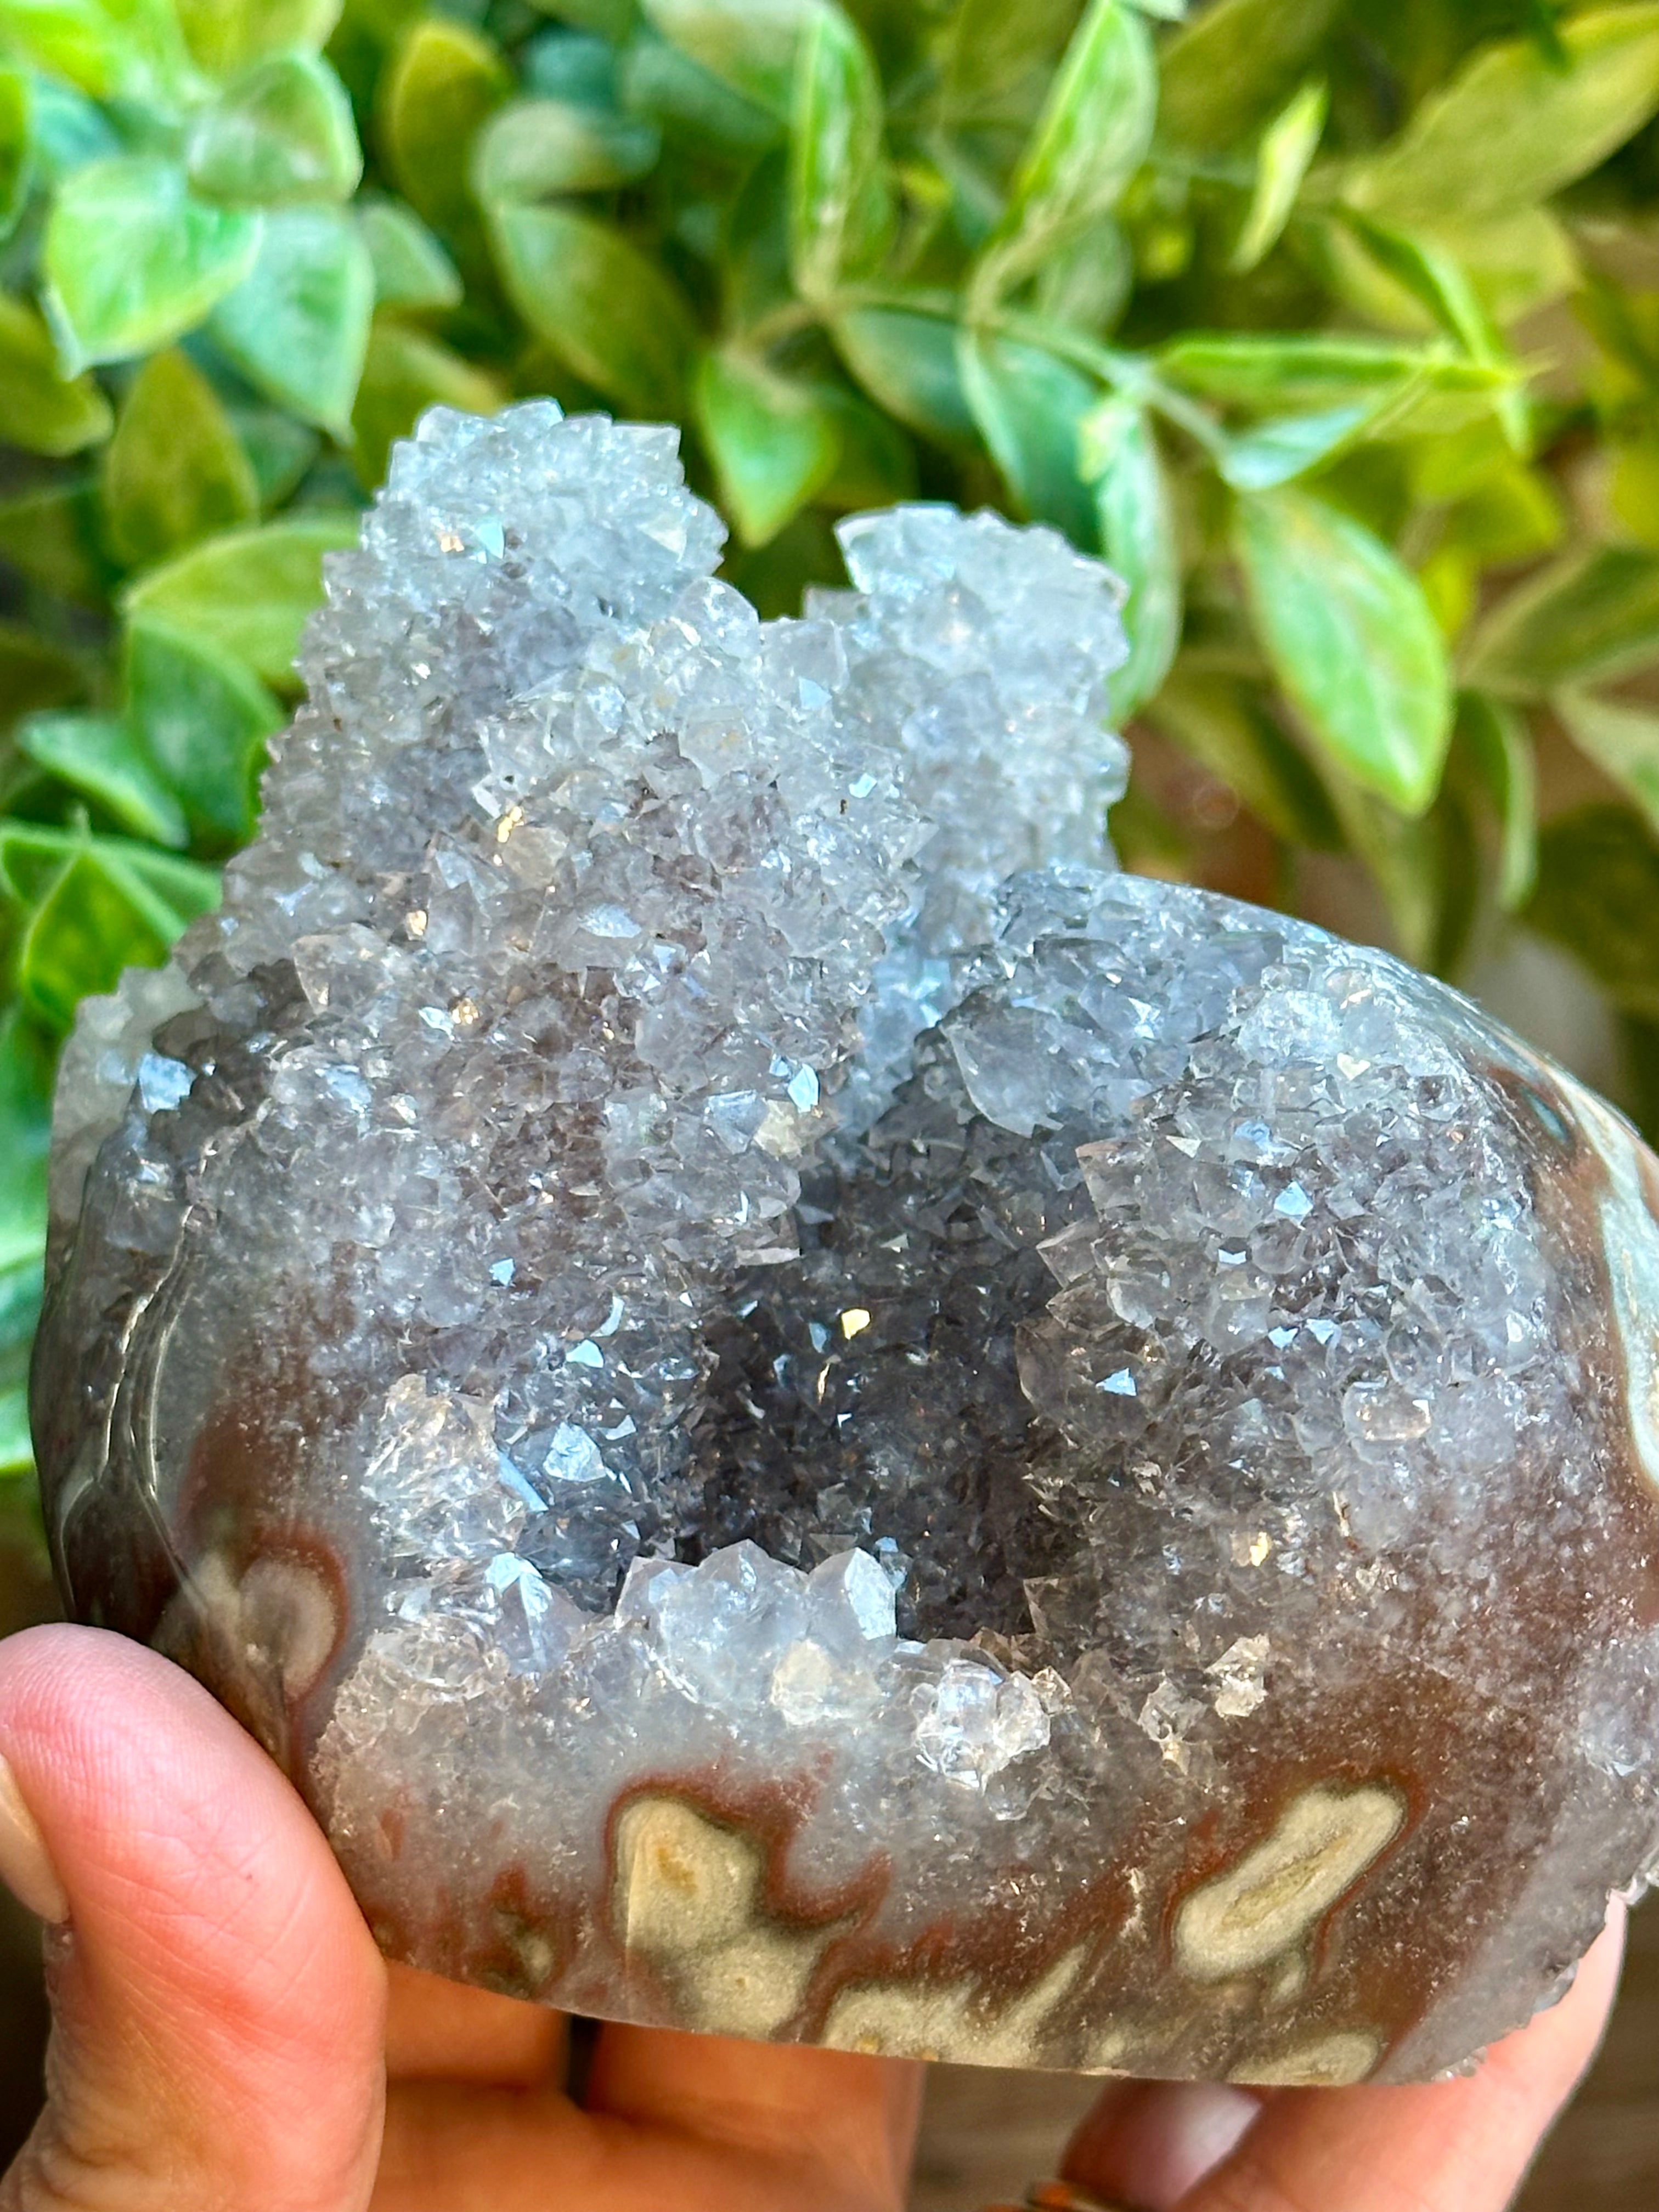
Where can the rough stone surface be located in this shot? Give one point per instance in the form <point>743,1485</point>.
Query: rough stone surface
<point>802,1411</point>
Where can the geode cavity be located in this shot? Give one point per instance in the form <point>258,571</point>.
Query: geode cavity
<point>799,1410</point>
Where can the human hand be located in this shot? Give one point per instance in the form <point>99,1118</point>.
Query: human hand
<point>228,2040</point>
<point>1459,2146</point>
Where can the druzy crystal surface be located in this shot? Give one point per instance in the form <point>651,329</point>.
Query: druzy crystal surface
<point>799,1410</point>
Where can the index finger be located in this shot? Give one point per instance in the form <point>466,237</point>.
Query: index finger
<point>1460,2146</point>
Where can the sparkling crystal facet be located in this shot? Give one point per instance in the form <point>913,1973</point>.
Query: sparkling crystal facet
<point>799,1410</point>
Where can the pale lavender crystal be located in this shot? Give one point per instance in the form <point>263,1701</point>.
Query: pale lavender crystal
<point>800,1410</point>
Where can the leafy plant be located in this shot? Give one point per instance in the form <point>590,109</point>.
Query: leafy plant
<point>1333,325</point>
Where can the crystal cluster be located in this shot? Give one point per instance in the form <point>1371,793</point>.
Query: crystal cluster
<point>799,1410</point>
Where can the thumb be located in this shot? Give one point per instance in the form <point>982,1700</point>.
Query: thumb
<point>217,2003</point>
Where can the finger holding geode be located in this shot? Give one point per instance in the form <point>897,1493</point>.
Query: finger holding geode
<point>802,1413</point>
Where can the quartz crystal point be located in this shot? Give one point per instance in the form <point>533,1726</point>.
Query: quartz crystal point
<point>801,1412</point>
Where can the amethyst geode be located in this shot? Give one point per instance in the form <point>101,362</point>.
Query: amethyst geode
<point>799,1410</point>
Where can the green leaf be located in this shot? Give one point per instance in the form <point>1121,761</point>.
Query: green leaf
<point>877,462</point>
<point>1351,640</point>
<point>1226,728</point>
<point>579,60</point>
<point>1119,458</point>
<point>25,1141</point>
<point>608,312</point>
<point>1440,283</point>
<point>31,853</point>
<point>1638,1055</point>
<point>774,444</point>
<point>691,105</point>
<point>1495,740</point>
<point>1092,137</point>
<point>33,673</point>
<point>750,45</point>
<point>228,35</point>
<point>908,362</point>
<point>280,451</point>
<point>1513,127</point>
<point>444,82</point>
<point>1622,740</point>
<point>203,717</point>
<point>297,327</point>
<point>1598,891</point>
<point>1407,857</point>
<point>1590,616</point>
<point>103,757</point>
<point>1146,840</point>
<point>840,202</point>
<point>1086,280</point>
<point>41,409</point>
<point>66,130</point>
<point>1276,372</point>
<point>1277,452</point>
<point>1436,282</point>
<point>994,62</point>
<point>1235,64</point>
<point>406,373</point>
<point>248,592</point>
<point>282,131</point>
<point>534,149</point>
<point>16,152</point>
<point>1031,408</point>
<point>132,260</point>
<point>1515,264</point>
<point>411,270</point>
<point>53,537</point>
<point>122,50</point>
<point>1282,162</point>
<point>175,470</point>
<point>107,905</point>
<point>16,1447</point>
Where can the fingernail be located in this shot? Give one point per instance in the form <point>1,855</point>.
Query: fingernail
<point>26,1865</point>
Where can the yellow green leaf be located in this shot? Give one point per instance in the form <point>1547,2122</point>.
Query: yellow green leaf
<point>1514,125</point>
<point>443,82</point>
<point>750,45</point>
<point>840,202</point>
<point>132,259</point>
<point>249,592</point>
<point>405,372</point>
<point>281,132</point>
<point>175,471</point>
<point>1234,63</point>
<point>1092,136</point>
<point>533,149</point>
<point>1591,616</point>
<point>604,308</point>
<point>1282,161</point>
<point>226,35</point>
<point>41,409</point>
<point>1623,740</point>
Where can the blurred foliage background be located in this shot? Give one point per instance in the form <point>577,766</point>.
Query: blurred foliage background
<point>1332,324</point>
